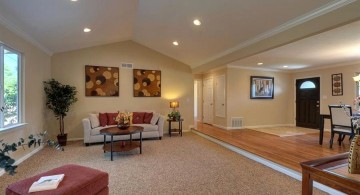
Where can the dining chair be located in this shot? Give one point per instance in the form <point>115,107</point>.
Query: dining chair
<point>341,122</point>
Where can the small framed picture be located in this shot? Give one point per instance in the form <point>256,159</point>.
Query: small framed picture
<point>261,87</point>
<point>337,84</point>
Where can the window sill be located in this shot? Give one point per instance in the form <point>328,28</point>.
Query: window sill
<point>12,128</point>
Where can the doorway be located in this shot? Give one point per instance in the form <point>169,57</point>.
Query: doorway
<point>308,102</point>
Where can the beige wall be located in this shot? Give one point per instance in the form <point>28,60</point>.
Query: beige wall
<point>255,112</point>
<point>259,112</point>
<point>326,97</point>
<point>36,69</point>
<point>281,109</point>
<point>177,83</point>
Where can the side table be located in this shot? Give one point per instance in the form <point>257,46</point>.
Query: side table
<point>175,130</point>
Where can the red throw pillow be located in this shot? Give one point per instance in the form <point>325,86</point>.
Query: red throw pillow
<point>103,119</point>
<point>111,118</point>
<point>138,117</point>
<point>147,117</point>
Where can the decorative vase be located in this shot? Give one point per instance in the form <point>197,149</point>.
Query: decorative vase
<point>354,156</point>
<point>123,126</point>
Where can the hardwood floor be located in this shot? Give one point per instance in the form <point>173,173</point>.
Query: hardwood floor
<point>286,151</point>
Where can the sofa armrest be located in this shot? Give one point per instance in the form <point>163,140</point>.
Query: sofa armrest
<point>87,129</point>
<point>161,125</point>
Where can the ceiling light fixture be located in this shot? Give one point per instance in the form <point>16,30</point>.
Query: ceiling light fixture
<point>197,22</point>
<point>175,43</point>
<point>260,63</point>
<point>285,66</point>
<point>74,0</point>
<point>87,29</point>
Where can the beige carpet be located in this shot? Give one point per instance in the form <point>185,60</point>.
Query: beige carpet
<point>286,131</point>
<point>176,165</point>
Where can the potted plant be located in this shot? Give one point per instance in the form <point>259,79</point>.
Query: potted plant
<point>59,98</point>
<point>174,115</point>
<point>7,162</point>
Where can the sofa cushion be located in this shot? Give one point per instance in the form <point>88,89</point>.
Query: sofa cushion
<point>155,118</point>
<point>147,117</point>
<point>103,119</point>
<point>148,127</point>
<point>138,117</point>
<point>112,118</point>
<point>94,120</point>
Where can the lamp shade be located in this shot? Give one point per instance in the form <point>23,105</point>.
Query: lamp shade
<point>174,104</point>
<point>357,78</point>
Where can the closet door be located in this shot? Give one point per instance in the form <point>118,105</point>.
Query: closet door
<point>220,96</point>
<point>208,110</point>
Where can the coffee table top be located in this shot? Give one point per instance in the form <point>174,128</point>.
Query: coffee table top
<point>117,131</point>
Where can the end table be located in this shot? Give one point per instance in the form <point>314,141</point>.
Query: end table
<point>175,130</point>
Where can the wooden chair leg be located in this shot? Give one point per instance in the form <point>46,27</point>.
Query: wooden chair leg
<point>341,137</point>
<point>331,139</point>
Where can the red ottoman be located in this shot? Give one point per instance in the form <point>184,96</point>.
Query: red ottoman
<point>78,180</point>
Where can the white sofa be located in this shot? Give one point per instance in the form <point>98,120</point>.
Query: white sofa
<point>92,135</point>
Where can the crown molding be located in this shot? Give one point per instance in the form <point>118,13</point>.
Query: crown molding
<point>255,68</point>
<point>283,27</point>
<point>13,28</point>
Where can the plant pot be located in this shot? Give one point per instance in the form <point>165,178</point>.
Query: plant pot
<point>62,139</point>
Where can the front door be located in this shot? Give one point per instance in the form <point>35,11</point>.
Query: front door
<point>308,102</point>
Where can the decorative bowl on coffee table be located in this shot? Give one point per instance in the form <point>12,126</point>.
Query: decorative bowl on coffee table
<point>123,126</point>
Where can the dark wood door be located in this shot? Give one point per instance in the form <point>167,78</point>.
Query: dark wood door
<point>308,102</point>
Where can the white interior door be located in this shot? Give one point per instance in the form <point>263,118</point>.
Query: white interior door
<point>208,101</point>
<point>220,96</point>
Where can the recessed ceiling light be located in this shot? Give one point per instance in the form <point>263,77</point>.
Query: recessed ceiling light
<point>87,29</point>
<point>285,66</point>
<point>176,43</point>
<point>74,0</point>
<point>260,63</point>
<point>197,22</point>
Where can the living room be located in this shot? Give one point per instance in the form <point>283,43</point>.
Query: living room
<point>177,77</point>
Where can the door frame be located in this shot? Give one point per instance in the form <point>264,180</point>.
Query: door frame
<point>294,92</point>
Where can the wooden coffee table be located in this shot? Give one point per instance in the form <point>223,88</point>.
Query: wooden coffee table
<point>121,146</point>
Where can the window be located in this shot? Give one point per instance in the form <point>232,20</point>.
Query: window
<point>307,85</point>
<point>10,65</point>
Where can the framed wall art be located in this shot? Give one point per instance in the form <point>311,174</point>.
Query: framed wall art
<point>337,84</point>
<point>101,81</point>
<point>147,83</point>
<point>261,87</point>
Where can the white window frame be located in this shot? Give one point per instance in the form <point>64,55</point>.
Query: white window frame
<point>20,86</point>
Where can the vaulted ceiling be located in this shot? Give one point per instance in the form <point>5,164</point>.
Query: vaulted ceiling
<point>235,32</point>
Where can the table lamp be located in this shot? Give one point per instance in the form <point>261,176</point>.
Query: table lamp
<point>174,105</point>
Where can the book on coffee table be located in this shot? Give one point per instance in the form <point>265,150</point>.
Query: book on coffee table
<point>46,183</point>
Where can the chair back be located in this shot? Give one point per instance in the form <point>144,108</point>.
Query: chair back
<point>339,115</point>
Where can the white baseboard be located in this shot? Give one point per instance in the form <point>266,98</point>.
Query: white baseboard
<point>294,174</point>
<point>75,139</point>
<point>22,159</point>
